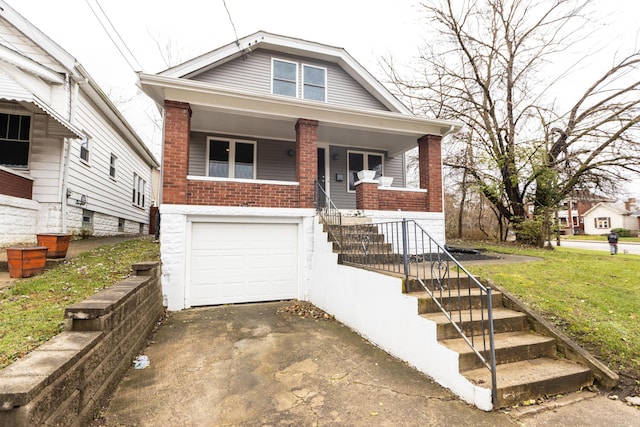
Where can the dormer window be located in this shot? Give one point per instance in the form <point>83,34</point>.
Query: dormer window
<point>314,83</point>
<point>285,78</point>
<point>286,75</point>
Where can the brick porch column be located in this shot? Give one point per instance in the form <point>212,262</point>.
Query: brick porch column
<point>175,161</point>
<point>430,165</point>
<point>367,195</point>
<point>306,159</point>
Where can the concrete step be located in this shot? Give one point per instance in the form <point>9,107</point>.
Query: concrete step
<point>455,299</point>
<point>369,259</point>
<point>532,379</point>
<point>474,322</point>
<point>454,279</point>
<point>510,347</point>
<point>352,245</point>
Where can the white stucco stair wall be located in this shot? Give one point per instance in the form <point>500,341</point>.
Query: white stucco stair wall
<point>373,305</point>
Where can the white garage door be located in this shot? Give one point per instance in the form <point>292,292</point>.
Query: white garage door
<point>243,262</point>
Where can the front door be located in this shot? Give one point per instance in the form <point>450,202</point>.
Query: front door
<point>322,182</point>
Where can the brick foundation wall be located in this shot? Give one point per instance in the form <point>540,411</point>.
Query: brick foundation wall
<point>67,380</point>
<point>241,193</point>
<point>15,185</point>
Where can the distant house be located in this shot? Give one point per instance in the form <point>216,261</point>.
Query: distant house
<point>573,208</point>
<point>69,161</point>
<point>603,217</point>
<point>250,129</point>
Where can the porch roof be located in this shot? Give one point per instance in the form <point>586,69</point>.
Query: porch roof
<point>268,116</point>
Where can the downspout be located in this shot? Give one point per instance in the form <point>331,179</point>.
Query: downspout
<point>66,151</point>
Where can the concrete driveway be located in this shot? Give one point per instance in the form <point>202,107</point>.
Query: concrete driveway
<point>280,364</point>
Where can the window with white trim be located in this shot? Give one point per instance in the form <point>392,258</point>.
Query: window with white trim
<point>15,136</point>
<point>314,83</point>
<point>286,77</point>
<point>139,188</point>
<point>112,166</point>
<point>357,161</point>
<point>602,222</point>
<point>121,225</point>
<point>228,158</point>
<point>84,149</point>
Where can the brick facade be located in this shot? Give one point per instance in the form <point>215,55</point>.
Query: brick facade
<point>242,194</point>
<point>370,197</point>
<point>430,164</point>
<point>15,185</point>
<point>367,196</point>
<point>175,162</point>
<point>306,160</point>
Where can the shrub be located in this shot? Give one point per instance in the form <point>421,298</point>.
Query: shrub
<point>622,232</point>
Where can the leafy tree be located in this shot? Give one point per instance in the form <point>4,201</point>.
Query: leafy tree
<point>487,65</point>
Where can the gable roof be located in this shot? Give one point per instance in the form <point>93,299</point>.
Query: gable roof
<point>610,206</point>
<point>293,46</point>
<point>244,112</point>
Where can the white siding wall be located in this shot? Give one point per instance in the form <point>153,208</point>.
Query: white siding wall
<point>106,195</point>
<point>45,162</point>
<point>617,220</point>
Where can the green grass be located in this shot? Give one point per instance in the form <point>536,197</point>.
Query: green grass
<point>593,297</point>
<point>31,310</point>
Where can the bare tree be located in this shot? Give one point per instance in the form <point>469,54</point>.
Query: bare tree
<point>488,67</point>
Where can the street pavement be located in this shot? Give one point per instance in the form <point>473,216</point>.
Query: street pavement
<point>593,245</point>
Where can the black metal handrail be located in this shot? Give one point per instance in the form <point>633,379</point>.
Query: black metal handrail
<point>329,214</point>
<point>404,247</point>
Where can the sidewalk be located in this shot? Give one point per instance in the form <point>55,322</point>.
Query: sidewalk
<point>76,247</point>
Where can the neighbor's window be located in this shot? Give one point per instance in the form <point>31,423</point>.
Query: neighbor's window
<point>314,83</point>
<point>84,149</point>
<point>14,140</point>
<point>285,78</point>
<point>139,188</point>
<point>112,166</point>
<point>231,159</point>
<point>87,219</point>
<point>359,161</point>
<point>603,222</point>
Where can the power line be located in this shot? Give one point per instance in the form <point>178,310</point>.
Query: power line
<point>231,20</point>
<point>111,38</point>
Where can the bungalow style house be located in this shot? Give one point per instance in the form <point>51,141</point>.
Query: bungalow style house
<point>267,141</point>
<point>249,129</point>
<point>603,217</point>
<point>69,161</point>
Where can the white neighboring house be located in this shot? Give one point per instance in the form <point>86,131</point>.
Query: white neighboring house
<point>603,217</point>
<point>69,161</point>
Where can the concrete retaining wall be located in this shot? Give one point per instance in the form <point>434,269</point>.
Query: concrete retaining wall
<point>67,380</point>
<point>362,300</point>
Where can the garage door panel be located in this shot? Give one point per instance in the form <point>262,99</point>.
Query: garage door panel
<point>243,262</point>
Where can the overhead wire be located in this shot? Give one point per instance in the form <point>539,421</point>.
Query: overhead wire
<point>100,20</point>
<point>224,2</point>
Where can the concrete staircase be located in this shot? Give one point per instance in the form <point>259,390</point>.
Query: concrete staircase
<point>529,365</point>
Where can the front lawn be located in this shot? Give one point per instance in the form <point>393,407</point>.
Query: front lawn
<point>593,297</point>
<point>31,310</point>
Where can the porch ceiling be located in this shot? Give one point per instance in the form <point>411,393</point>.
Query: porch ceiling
<point>217,109</point>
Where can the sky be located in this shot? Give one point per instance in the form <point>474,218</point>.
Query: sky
<point>151,29</point>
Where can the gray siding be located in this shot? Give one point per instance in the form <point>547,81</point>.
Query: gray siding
<point>254,74</point>
<point>339,190</point>
<point>273,162</point>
